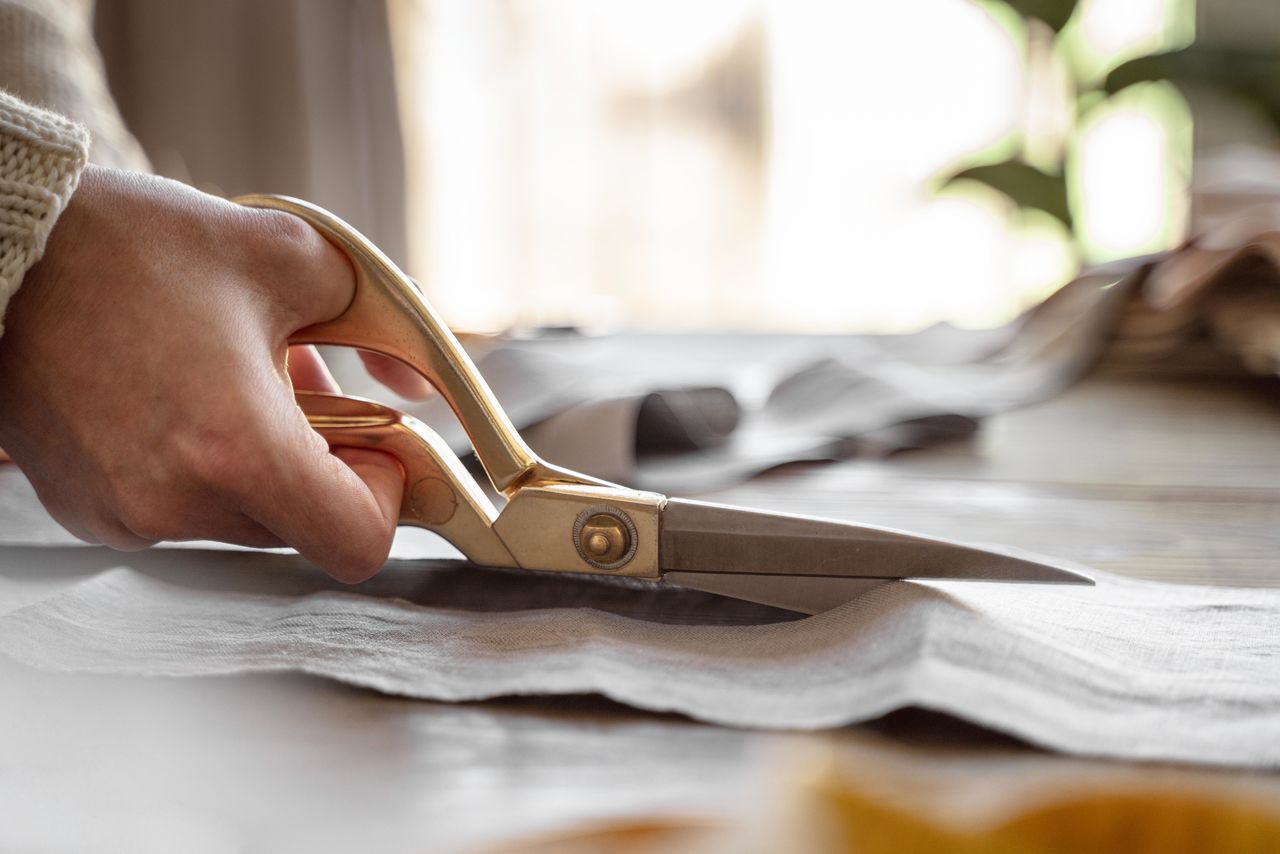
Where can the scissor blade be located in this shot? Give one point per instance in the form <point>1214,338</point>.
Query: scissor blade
<point>804,594</point>
<point>709,538</point>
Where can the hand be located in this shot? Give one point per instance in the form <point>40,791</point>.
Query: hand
<point>143,383</point>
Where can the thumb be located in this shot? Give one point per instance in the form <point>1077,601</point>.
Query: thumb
<point>339,510</point>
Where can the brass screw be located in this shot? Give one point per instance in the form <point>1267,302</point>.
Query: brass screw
<point>604,538</point>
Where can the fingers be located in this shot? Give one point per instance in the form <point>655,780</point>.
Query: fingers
<point>314,282</point>
<point>338,511</point>
<point>383,476</point>
<point>308,371</point>
<point>109,530</point>
<point>307,278</point>
<point>95,526</point>
<point>121,539</point>
<point>141,515</point>
<point>397,376</point>
<point>207,521</point>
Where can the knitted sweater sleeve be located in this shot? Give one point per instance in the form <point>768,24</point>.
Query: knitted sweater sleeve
<point>41,157</point>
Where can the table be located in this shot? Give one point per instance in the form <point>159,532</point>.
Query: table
<point>1162,477</point>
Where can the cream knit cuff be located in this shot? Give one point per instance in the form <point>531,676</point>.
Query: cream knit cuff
<point>41,157</point>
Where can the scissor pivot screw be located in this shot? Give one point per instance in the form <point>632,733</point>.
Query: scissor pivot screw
<point>599,544</point>
<point>605,537</point>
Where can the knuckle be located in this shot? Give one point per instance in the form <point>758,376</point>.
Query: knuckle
<point>279,232</point>
<point>81,517</point>
<point>75,525</point>
<point>292,248</point>
<point>305,275</point>
<point>116,535</point>
<point>127,543</point>
<point>149,516</point>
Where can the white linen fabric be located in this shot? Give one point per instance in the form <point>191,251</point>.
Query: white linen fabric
<point>1126,669</point>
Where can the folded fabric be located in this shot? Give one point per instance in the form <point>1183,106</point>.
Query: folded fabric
<point>688,414</point>
<point>1126,669</point>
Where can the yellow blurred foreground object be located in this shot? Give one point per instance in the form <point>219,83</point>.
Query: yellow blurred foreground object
<point>871,808</point>
<point>862,793</point>
<point>625,836</point>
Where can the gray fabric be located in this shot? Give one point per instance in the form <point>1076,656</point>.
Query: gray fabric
<point>740,404</point>
<point>1126,669</point>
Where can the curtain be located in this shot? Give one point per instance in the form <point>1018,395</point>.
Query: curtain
<point>283,96</point>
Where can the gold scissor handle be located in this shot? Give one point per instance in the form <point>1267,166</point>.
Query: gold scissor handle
<point>439,495</point>
<point>389,315</point>
<point>535,530</point>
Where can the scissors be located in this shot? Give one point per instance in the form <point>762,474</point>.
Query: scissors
<point>556,520</point>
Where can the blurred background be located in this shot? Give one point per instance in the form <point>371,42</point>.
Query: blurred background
<point>797,166</point>
<point>808,166</point>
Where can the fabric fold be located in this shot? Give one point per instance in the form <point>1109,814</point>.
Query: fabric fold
<point>1126,669</point>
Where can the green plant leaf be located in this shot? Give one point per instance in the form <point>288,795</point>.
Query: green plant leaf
<point>1027,186</point>
<point>1055,13</point>
<point>1252,75</point>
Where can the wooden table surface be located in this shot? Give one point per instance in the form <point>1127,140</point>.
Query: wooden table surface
<point>1163,478</point>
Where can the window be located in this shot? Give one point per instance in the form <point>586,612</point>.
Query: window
<point>734,164</point>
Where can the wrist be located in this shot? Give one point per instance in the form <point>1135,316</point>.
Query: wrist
<point>42,156</point>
